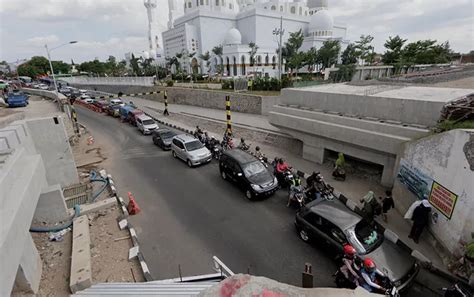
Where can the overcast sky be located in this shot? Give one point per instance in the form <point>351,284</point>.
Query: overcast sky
<point>113,27</point>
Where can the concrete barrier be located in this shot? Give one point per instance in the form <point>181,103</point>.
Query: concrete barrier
<point>81,272</point>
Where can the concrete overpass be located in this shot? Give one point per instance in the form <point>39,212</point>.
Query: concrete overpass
<point>371,123</point>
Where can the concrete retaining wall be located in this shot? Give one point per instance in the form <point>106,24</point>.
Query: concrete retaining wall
<point>447,159</point>
<point>187,96</point>
<point>124,81</point>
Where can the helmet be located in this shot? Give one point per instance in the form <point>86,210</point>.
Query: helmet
<point>257,148</point>
<point>212,137</point>
<point>349,250</point>
<point>369,265</point>
<point>242,140</point>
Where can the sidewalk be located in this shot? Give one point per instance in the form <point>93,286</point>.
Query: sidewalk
<point>354,188</point>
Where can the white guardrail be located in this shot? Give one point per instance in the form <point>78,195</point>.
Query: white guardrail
<point>126,81</point>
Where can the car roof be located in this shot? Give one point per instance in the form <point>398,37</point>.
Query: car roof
<point>335,212</point>
<point>162,131</point>
<point>185,138</point>
<point>240,156</point>
<point>144,117</point>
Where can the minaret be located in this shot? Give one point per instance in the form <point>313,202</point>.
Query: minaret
<point>153,39</point>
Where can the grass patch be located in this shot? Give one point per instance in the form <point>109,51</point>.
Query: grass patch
<point>451,125</point>
<point>264,93</point>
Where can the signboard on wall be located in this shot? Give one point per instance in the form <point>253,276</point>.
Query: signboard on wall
<point>424,187</point>
<point>443,199</point>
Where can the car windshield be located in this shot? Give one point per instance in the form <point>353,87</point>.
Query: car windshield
<point>193,145</point>
<point>148,122</point>
<point>254,168</point>
<point>167,135</point>
<point>365,237</point>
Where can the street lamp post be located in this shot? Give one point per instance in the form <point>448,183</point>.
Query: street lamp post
<point>279,32</point>
<point>48,51</point>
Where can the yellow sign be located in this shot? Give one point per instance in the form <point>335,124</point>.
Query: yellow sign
<point>443,199</point>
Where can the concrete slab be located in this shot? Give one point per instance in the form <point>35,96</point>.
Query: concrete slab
<point>81,273</point>
<point>88,208</point>
<point>51,207</point>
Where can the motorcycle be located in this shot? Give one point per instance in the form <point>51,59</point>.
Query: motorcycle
<point>455,290</point>
<point>216,151</point>
<point>298,195</point>
<point>342,282</point>
<point>243,146</point>
<point>339,174</point>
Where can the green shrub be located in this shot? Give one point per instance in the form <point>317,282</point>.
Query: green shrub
<point>170,83</point>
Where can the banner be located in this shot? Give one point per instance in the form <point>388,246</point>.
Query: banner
<point>416,181</point>
<point>443,199</point>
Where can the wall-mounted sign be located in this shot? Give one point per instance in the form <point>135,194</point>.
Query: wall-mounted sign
<point>443,199</point>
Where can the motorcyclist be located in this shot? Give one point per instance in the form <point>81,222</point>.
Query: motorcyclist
<point>313,185</point>
<point>205,139</point>
<point>369,274</point>
<point>258,153</point>
<point>295,183</point>
<point>349,265</point>
<point>198,133</point>
<point>243,145</point>
<point>281,168</point>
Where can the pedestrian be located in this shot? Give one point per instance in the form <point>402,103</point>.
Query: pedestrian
<point>387,204</point>
<point>420,218</point>
<point>370,205</point>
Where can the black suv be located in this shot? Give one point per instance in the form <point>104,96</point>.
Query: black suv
<point>248,173</point>
<point>163,138</point>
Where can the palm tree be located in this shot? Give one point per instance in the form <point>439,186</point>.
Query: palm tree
<point>218,51</point>
<point>206,57</point>
<point>253,51</point>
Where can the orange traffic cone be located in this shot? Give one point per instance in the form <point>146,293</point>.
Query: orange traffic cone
<point>132,205</point>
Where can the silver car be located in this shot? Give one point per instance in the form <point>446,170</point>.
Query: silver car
<point>334,224</point>
<point>190,150</point>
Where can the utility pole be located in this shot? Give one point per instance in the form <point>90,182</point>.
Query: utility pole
<point>279,32</point>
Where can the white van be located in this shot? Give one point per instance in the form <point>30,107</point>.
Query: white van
<point>145,124</point>
<point>117,102</point>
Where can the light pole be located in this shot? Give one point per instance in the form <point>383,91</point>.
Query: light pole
<point>48,51</point>
<point>279,32</point>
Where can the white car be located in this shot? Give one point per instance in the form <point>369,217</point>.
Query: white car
<point>117,102</point>
<point>87,99</point>
<point>43,87</point>
<point>82,91</point>
<point>146,125</point>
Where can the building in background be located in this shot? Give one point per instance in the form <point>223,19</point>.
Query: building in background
<point>203,24</point>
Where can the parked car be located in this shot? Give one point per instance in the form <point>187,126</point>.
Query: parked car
<point>65,91</point>
<point>117,102</point>
<point>133,115</point>
<point>83,91</point>
<point>190,150</point>
<point>43,87</point>
<point>17,98</point>
<point>145,124</point>
<point>87,99</point>
<point>163,138</point>
<point>113,110</point>
<point>101,104</point>
<point>334,224</point>
<point>248,173</point>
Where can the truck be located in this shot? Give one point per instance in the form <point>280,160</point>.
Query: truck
<point>17,98</point>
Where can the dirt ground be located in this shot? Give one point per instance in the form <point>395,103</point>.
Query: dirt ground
<point>109,244</point>
<point>464,83</point>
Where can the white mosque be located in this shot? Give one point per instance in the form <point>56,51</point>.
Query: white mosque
<point>197,26</point>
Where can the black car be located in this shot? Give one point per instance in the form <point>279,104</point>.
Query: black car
<point>333,224</point>
<point>248,173</point>
<point>163,138</point>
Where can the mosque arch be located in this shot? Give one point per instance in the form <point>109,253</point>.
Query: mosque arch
<point>301,10</point>
<point>242,67</point>
<point>293,10</point>
<point>281,8</point>
<point>273,7</point>
<point>235,66</point>
<point>227,66</point>
<point>217,2</point>
<point>190,4</point>
<point>267,60</point>
<point>259,60</point>
<point>274,62</point>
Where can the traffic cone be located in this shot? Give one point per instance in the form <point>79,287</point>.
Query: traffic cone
<point>132,205</point>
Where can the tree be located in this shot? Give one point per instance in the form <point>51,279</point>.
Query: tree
<point>206,57</point>
<point>426,52</point>
<point>26,69</point>
<point>134,65</point>
<point>329,52</point>
<point>60,67</point>
<point>364,49</point>
<point>218,51</point>
<point>35,66</point>
<point>394,46</point>
<point>253,51</point>
<point>290,51</point>
<point>311,59</point>
<point>95,67</point>
<point>349,55</point>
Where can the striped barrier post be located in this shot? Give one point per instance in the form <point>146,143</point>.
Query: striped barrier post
<point>165,96</point>
<point>227,111</point>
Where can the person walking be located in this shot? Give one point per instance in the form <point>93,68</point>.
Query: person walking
<point>370,206</point>
<point>387,204</point>
<point>420,218</point>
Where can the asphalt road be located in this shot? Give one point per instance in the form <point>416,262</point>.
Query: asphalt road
<point>190,214</point>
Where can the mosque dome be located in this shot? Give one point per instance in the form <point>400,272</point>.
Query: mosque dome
<point>321,21</point>
<point>233,36</point>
